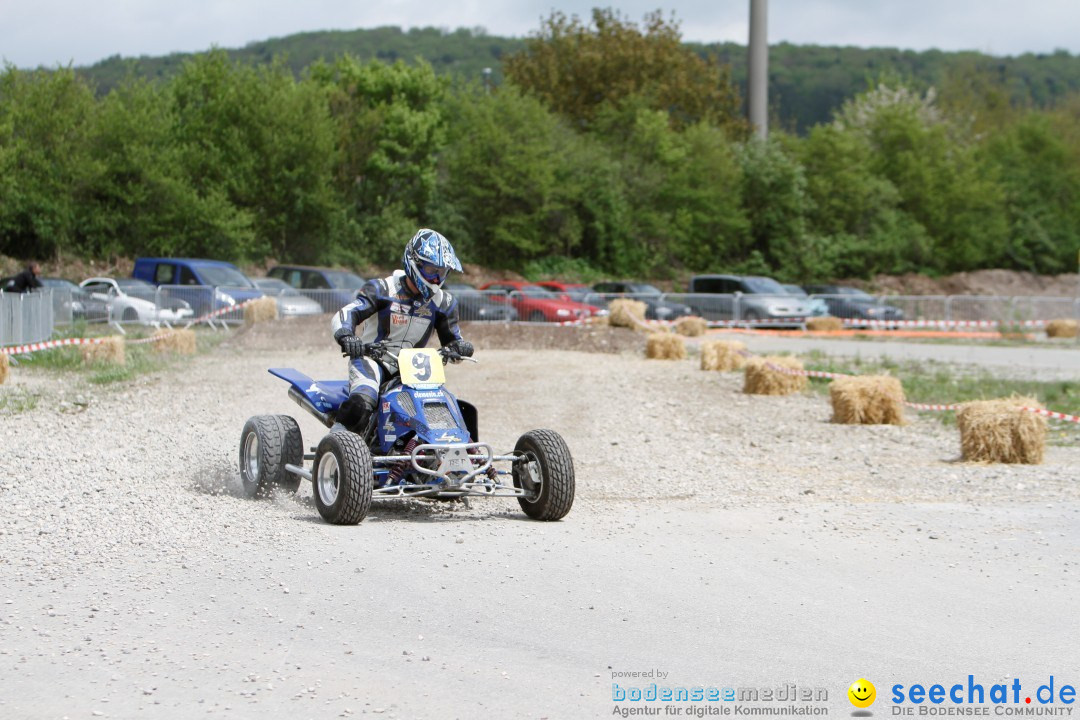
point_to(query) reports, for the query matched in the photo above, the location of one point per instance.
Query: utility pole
(758, 68)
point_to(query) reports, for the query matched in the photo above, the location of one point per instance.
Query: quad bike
(420, 442)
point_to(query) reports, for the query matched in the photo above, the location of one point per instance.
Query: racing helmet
(428, 259)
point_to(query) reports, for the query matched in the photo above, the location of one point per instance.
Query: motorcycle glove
(464, 348)
(351, 346)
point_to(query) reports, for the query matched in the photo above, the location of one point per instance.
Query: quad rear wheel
(342, 478)
(545, 471)
(267, 443)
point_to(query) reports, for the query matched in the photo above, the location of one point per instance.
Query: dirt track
(723, 538)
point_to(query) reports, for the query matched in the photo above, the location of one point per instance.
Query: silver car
(290, 303)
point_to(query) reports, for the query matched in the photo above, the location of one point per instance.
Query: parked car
(655, 307)
(71, 302)
(134, 300)
(818, 307)
(290, 303)
(576, 292)
(852, 303)
(204, 284)
(332, 289)
(538, 304)
(754, 298)
(475, 305)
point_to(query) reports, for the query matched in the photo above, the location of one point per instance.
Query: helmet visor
(433, 273)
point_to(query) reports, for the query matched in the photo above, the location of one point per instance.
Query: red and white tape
(943, 323)
(48, 345)
(221, 311)
(1055, 415)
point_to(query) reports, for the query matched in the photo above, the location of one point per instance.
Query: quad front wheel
(545, 471)
(342, 479)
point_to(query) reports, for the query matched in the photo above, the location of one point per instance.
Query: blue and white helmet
(428, 259)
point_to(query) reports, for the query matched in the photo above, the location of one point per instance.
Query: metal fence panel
(25, 317)
(1037, 308)
(916, 307)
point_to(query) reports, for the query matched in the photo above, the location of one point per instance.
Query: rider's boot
(356, 412)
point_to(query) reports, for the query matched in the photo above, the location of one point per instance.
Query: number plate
(421, 368)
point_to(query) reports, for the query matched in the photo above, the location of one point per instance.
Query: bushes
(343, 164)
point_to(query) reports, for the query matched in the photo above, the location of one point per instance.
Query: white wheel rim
(533, 474)
(251, 456)
(329, 479)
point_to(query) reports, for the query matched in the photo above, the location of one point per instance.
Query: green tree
(1042, 189)
(682, 190)
(853, 211)
(44, 121)
(508, 175)
(389, 131)
(936, 167)
(577, 68)
(260, 141)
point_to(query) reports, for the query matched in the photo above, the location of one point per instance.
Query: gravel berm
(723, 539)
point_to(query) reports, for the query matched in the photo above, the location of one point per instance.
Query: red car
(538, 304)
(577, 292)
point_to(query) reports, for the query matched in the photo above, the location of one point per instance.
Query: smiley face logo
(862, 693)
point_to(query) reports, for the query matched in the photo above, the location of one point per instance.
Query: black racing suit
(391, 314)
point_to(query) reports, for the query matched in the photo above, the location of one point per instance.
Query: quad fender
(471, 418)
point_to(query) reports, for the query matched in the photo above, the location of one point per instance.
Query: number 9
(422, 364)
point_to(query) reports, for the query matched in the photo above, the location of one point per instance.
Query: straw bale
(761, 379)
(1062, 328)
(5, 364)
(665, 346)
(624, 312)
(263, 309)
(109, 351)
(181, 342)
(1000, 431)
(867, 400)
(826, 323)
(722, 355)
(691, 326)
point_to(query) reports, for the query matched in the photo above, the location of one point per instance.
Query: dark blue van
(205, 284)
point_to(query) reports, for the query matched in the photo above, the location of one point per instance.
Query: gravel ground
(136, 581)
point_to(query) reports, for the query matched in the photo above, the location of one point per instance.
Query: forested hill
(808, 82)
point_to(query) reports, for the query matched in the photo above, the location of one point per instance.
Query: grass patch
(940, 383)
(141, 359)
(17, 400)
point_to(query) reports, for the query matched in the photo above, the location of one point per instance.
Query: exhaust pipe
(302, 400)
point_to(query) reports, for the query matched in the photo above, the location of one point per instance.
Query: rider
(406, 307)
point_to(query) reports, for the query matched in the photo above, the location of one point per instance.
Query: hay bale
(826, 323)
(691, 326)
(867, 400)
(5, 364)
(1000, 431)
(722, 355)
(1062, 328)
(181, 342)
(624, 312)
(665, 346)
(109, 351)
(762, 379)
(262, 310)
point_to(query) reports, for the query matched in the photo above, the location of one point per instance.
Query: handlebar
(377, 350)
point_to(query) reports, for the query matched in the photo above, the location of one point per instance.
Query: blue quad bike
(421, 442)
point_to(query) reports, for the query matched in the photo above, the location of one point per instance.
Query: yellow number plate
(421, 367)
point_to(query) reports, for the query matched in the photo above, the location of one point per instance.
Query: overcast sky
(51, 32)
